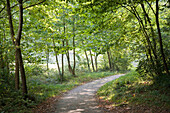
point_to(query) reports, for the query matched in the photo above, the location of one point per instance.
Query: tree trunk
(16, 42)
(2, 62)
(147, 37)
(21, 65)
(16, 70)
(144, 30)
(6, 62)
(47, 57)
(110, 64)
(68, 59)
(96, 61)
(113, 65)
(58, 66)
(12, 38)
(22, 71)
(62, 58)
(160, 37)
(150, 24)
(92, 61)
(87, 60)
(74, 49)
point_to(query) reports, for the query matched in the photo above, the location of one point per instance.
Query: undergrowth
(42, 85)
(132, 89)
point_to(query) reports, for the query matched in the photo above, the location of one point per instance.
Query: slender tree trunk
(160, 37)
(87, 60)
(58, 66)
(92, 61)
(16, 70)
(96, 61)
(74, 49)
(13, 38)
(22, 71)
(21, 65)
(6, 62)
(110, 64)
(147, 48)
(68, 59)
(150, 24)
(111, 60)
(144, 30)
(2, 64)
(62, 58)
(2, 61)
(16, 42)
(47, 57)
(146, 36)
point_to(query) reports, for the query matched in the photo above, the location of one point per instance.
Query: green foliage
(99, 26)
(133, 89)
(42, 85)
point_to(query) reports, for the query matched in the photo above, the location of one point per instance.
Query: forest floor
(80, 99)
(135, 94)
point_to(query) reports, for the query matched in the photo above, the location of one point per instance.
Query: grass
(134, 90)
(43, 85)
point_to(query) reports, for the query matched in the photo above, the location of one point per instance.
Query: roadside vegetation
(42, 85)
(135, 92)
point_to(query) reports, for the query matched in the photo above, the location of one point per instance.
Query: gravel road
(81, 99)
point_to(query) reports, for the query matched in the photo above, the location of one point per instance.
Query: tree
(16, 41)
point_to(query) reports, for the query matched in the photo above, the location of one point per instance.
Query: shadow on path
(81, 99)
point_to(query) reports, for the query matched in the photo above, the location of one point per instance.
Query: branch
(30, 6)
(128, 9)
(10, 21)
(2, 9)
(34, 4)
(10, 8)
(151, 7)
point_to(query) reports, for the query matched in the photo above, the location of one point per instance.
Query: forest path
(81, 99)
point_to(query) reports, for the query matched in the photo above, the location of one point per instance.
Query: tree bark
(16, 70)
(16, 42)
(134, 11)
(74, 49)
(160, 37)
(63, 45)
(150, 24)
(13, 38)
(21, 65)
(68, 59)
(110, 64)
(96, 61)
(6, 62)
(62, 58)
(58, 66)
(87, 60)
(47, 57)
(92, 61)
(22, 71)
(2, 61)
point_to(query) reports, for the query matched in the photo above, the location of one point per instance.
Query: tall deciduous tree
(16, 41)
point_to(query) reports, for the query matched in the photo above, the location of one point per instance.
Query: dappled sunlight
(76, 111)
(81, 99)
(70, 97)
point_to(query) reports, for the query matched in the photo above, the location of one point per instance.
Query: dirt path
(81, 99)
